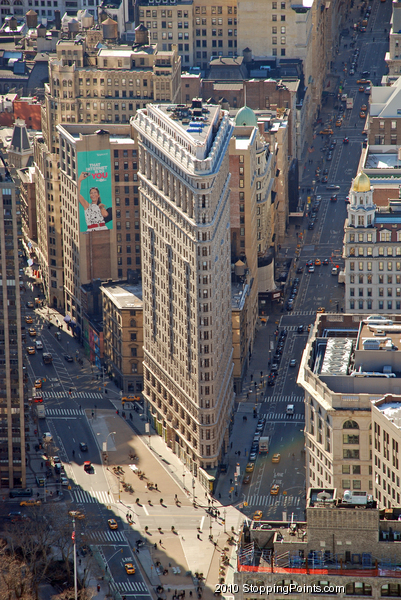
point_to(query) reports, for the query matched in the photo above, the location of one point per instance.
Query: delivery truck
(41, 411)
(264, 445)
(350, 103)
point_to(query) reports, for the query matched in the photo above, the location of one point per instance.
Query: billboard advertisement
(95, 191)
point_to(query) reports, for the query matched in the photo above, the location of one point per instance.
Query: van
(334, 271)
(38, 345)
(290, 409)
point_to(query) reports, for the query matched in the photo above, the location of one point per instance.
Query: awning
(67, 318)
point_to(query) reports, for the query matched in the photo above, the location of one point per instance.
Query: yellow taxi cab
(30, 502)
(38, 384)
(276, 458)
(76, 514)
(112, 523)
(250, 467)
(321, 309)
(28, 319)
(339, 122)
(361, 88)
(326, 132)
(257, 515)
(363, 81)
(364, 107)
(32, 332)
(129, 568)
(362, 114)
(31, 350)
(309, 327)
(274, 489)
(318, 262)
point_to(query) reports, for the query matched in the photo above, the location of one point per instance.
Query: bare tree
(15, 577)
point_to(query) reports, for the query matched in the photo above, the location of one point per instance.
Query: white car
(64, 481)
(47, 437)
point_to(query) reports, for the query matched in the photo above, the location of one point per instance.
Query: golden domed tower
(361, 210)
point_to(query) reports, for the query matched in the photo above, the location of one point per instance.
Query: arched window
(326, 587)
(350, 425)
(391, 589)
(358, 588)
(285, 583)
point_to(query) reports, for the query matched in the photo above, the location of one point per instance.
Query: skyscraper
(185, 237)
(12, 429)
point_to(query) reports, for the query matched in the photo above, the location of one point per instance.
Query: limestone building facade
(371, 251)
(185, 230)
(12, 419)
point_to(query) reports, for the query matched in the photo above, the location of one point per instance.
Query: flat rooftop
(239, 293)
(197, 123)
(390, 406)
(382, 161)
(124, 295)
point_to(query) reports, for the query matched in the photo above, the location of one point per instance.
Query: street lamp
(75, 558)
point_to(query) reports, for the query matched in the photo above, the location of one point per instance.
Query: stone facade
(123, 334)
(185, 216)
(12, 444)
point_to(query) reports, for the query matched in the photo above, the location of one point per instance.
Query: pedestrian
(41, 465)
(156, 487)
(80, 407)
(239, 452)
(79, 561)
(198, 536)
(231, 481)
(155, 546)
(231, 447)
(219, 495)
(98, 587)
(160, 542)
(130, 416)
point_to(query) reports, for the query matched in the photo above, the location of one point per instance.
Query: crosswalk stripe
(269, 500)
(63, 412)
(107, 536)
(129, 586)
(86, 497)
(287, 399)
(65, 395)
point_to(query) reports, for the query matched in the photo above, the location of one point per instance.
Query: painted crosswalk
(107, 536)
(300, 313)
(64, 412)
(92, 497)
(64, 395)
(267, 500)
(284, 418)
(286, 399)
(129, 586)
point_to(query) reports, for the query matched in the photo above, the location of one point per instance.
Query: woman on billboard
(96, 214)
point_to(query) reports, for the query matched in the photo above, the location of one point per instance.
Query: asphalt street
(315, 290)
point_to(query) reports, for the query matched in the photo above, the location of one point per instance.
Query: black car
(68, 358)
(300, 269)
(311, 225)
(300, 328)
(283, 333)
(83, 447)
(365, 74)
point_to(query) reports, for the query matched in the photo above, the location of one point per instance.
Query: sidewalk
(182, 553)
